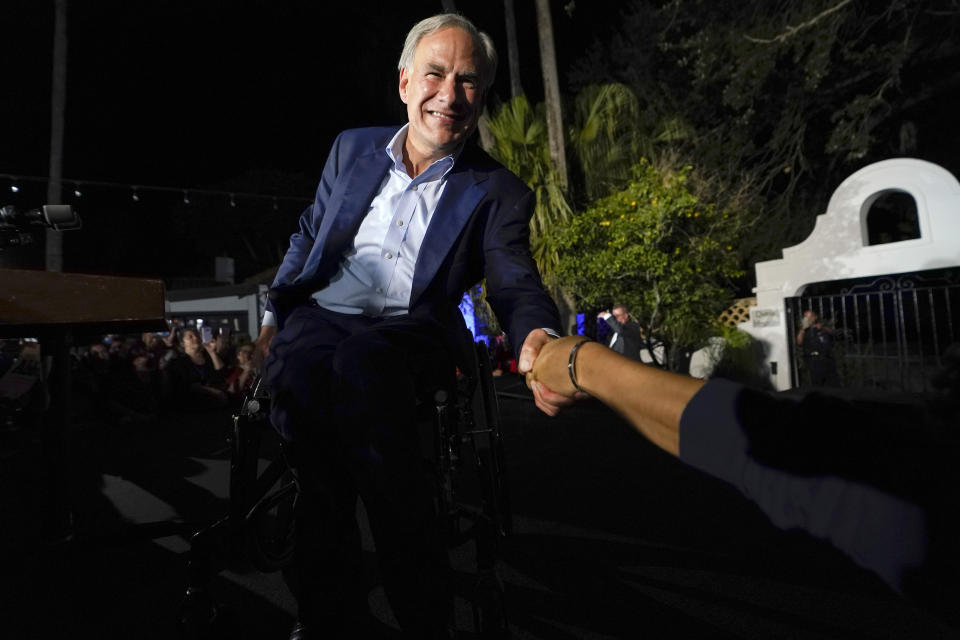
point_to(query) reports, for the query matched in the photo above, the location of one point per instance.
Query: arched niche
(890, 216)
(839, 246)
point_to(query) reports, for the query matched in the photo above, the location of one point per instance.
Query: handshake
(650, 399)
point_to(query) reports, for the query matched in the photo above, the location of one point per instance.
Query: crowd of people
(139, 377)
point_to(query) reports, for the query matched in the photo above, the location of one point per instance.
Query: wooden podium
(42, 303)
(55, 307)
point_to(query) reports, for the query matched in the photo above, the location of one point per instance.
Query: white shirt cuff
(269, 320)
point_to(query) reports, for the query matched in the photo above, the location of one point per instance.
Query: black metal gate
(889, 333)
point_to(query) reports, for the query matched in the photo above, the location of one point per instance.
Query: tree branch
(800, 27)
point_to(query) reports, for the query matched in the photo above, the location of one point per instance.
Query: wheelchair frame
(259, 525)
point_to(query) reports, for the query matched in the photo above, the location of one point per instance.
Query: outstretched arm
(652, 400)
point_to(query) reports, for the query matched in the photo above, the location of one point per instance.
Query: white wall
(837, 248)
(221, 304)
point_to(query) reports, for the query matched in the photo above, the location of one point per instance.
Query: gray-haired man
(404, 221)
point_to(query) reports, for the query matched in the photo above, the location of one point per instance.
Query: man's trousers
(344, 391)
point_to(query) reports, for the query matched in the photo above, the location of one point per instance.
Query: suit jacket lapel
(347, 210)
(460, 198)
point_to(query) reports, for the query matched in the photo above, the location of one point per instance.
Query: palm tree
(606, 137)
(608, 133)
(551, 90)
(521, 144)
(513, 53)
(54, 244)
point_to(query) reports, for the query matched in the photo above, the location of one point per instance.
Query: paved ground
(614, 539)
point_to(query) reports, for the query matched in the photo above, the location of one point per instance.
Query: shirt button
(399, 223)
(379, 290)
(389, 256)
(414, 187)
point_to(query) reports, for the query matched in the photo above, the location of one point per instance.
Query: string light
(80, 186)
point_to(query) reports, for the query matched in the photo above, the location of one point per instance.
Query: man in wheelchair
(363, 319)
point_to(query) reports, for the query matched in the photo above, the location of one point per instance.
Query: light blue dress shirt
(376, 274)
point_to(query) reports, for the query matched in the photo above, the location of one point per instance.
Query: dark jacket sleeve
(880, 531)
(514, 288)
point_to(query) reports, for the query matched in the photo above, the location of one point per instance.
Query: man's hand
(551, 370)
(262, 345)
(547, 401)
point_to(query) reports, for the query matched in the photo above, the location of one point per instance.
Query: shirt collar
(440, 168)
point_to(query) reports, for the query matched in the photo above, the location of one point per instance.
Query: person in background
(224, 345)
(502, 356)
(816, 341)
(242, 374)
(197, 377)
(626, 332)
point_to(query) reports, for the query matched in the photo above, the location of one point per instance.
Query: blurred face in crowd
(620, 313)
(191, 341)
(442, 92)
(141, 363)
(244, 354)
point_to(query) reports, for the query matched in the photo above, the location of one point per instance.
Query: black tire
(263, 499)
(489, 609)
(270, 531)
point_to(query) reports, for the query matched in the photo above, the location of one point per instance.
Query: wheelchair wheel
(262, 495)
(270, 532)
(488, 446)
(489, 609)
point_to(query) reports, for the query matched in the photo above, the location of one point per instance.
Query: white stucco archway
(837, 247)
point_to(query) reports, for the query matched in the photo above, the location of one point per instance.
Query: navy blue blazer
(479, 230)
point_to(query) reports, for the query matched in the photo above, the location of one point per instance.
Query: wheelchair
(258, 528)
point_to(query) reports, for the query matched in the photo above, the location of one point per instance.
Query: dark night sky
(233, 96)
(193, 93)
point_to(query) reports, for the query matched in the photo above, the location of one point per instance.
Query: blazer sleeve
(879, 530)
(514, 288)
(302, 241)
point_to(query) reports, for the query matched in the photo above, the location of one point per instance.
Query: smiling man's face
(443, 95)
